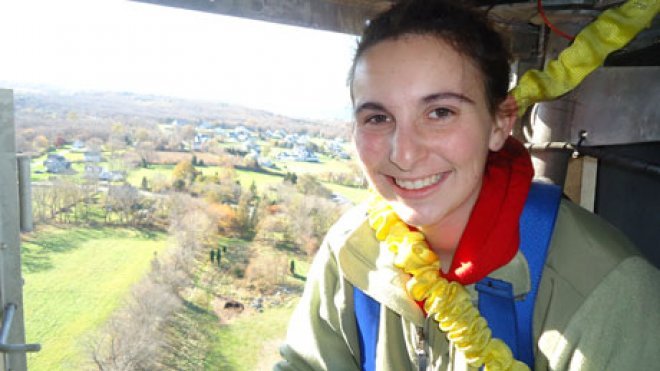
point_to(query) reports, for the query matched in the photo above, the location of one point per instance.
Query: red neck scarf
(491, 237)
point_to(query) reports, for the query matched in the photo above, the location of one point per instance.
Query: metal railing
(8, 317)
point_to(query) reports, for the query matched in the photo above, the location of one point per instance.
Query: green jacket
(598, 306)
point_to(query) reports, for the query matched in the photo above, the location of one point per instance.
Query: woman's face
(423, 129)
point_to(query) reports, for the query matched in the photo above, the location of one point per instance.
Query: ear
(505, 118)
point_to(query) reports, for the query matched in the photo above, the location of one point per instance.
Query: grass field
(251, 342)
(74, 280)
(135, 176)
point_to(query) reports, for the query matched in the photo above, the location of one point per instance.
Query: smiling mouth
(418, 183)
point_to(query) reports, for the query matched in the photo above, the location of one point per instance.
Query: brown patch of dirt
(227, 311)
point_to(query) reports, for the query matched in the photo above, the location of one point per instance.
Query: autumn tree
(301, 220)
(308, 184)
(40, 143)
(223, 187)
(225, 216)
(184, 171)
(247, 216)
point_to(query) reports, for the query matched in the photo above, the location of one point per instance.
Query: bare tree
(297, 220)
(132, 339)
(124, 200)
(146, 151)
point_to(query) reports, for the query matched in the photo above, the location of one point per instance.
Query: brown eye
(376, 119)
(441, 113)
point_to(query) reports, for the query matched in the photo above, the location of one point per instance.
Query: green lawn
(135, 176)
(327, 164)
(356, 195)
(74, 280)
(261, 332)
(261, 180)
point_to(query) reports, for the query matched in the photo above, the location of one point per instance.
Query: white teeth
(417, 184)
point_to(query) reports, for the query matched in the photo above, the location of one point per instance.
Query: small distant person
(292, 267)
(397, 283)
(218, 256)
(212, 255)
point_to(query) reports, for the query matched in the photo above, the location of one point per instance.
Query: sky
(120, 45)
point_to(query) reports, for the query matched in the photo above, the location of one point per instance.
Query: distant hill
(38, 106)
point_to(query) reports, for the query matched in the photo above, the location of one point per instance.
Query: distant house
(252, 146)
(343, 155)
(303, 154)
(93, 171)
(56, 163)
(78, 145)
(112, 176)
(204, 125)
(180, 122)
(264, 162)
(101, 173)
(199, 140)
(93, 156)
(336, 147)
(290, 140)
(303, 140)
(285, 156)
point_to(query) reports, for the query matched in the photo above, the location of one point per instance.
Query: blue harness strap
(367, 317)
(509, 319)
(497, 306)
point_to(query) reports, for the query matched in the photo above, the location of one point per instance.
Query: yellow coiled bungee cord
(612, 30)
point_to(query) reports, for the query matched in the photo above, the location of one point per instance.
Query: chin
(409, 215)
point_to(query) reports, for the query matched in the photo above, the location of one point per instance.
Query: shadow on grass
(194, 308)
(288, 246)
(36, 249)
(193, 333)
(149, 233)
(33, 261)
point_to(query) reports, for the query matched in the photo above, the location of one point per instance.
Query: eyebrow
(369, 106)
(426, 99)
(447, 95)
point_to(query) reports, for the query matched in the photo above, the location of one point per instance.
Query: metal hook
(583, 136)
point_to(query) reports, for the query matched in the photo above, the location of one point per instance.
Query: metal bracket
(8, 317)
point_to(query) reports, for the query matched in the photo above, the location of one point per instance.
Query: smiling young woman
(397, 281)
(423, 131)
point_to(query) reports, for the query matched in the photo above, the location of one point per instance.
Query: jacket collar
(368, 265)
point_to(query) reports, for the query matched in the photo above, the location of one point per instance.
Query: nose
(406, 147)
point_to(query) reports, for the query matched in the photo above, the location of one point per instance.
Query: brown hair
(466, 29)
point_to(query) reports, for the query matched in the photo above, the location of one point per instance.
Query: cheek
(370, 148)
(468, 150)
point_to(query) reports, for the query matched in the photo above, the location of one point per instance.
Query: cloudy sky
(127, 46)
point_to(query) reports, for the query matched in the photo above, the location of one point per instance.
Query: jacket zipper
(422, 355)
